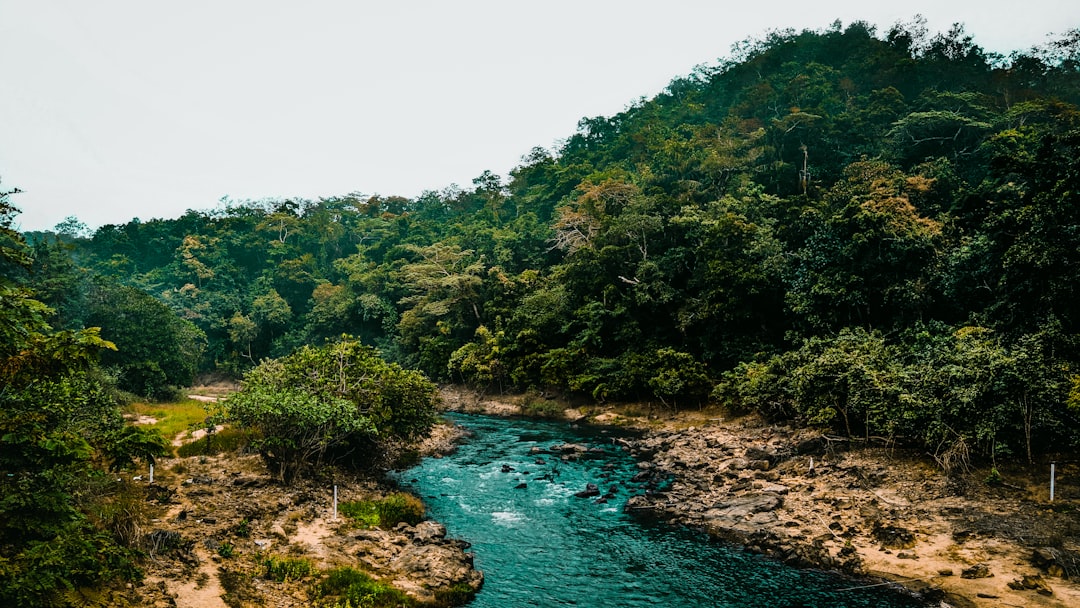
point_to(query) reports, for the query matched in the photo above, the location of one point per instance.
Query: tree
(869, 255)
(310, 406)
(54, 412)
(444, 282)
(156, 349)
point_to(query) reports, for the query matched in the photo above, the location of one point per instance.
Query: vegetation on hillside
(872, 231)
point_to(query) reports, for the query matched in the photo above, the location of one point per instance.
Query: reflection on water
(540, 545)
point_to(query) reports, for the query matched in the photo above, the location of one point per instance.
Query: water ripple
(539, 545)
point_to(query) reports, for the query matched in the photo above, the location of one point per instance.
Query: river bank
(218, 532)
(869, 511)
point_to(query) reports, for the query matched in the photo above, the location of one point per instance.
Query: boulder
(1032, 583)
(814, 446)
(756, 453)
(976, 571)
(737, 464)
(760, 465)
(893, 537)
(427, 532)
(423, 571)
(591, 489)
(741, 507)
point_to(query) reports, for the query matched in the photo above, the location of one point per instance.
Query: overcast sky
(111, 110)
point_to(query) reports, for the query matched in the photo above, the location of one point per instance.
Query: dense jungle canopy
(872, 231)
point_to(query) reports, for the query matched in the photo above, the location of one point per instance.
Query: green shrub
(226, 550)
(541, 408)
(456, 595)
(400, 507)
(281, 569)
(385, 513)
(363, 512)
(306, 407)
(352, 588)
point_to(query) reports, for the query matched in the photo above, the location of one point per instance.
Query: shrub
(281, 569)
(398, 508)
(541, 408)
(455, 595)
(303, 407)
(350, 587)
(385, 513)
(363, 512)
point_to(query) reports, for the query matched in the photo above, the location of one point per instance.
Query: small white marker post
(151, 472)
(335, 503)
(1052, 481)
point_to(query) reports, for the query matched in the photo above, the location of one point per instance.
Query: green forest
(877, 233)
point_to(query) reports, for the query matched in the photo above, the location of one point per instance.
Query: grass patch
(281, 569)
(172, 418)
(385, 513)
(226, 440)
(348, 587)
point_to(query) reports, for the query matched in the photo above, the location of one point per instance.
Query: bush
(281, 569)
(385, 513)
(456, 595)
(400, 507)
(541, 408)
(303, 407)
(353, 588)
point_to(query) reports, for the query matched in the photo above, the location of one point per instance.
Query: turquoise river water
(539, 545)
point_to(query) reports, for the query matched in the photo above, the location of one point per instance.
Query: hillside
(888, 218)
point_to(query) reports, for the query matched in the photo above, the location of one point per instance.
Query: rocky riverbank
(221, 519)
(812, 501)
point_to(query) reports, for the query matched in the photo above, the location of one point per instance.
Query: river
(540, 545)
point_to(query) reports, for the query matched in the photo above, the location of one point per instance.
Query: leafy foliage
(309, 405)
(56, 410)
(386, 512)
(156, 350)
(280, 569)
(818, 226)
(350, 587)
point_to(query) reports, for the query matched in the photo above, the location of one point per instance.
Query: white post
(1052, 481)
(335, 503)
(151, 472)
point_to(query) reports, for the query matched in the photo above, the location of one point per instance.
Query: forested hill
(876, 231)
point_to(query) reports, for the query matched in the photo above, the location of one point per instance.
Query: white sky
(115, 109)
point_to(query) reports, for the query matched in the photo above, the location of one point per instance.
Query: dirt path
(203, 590)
